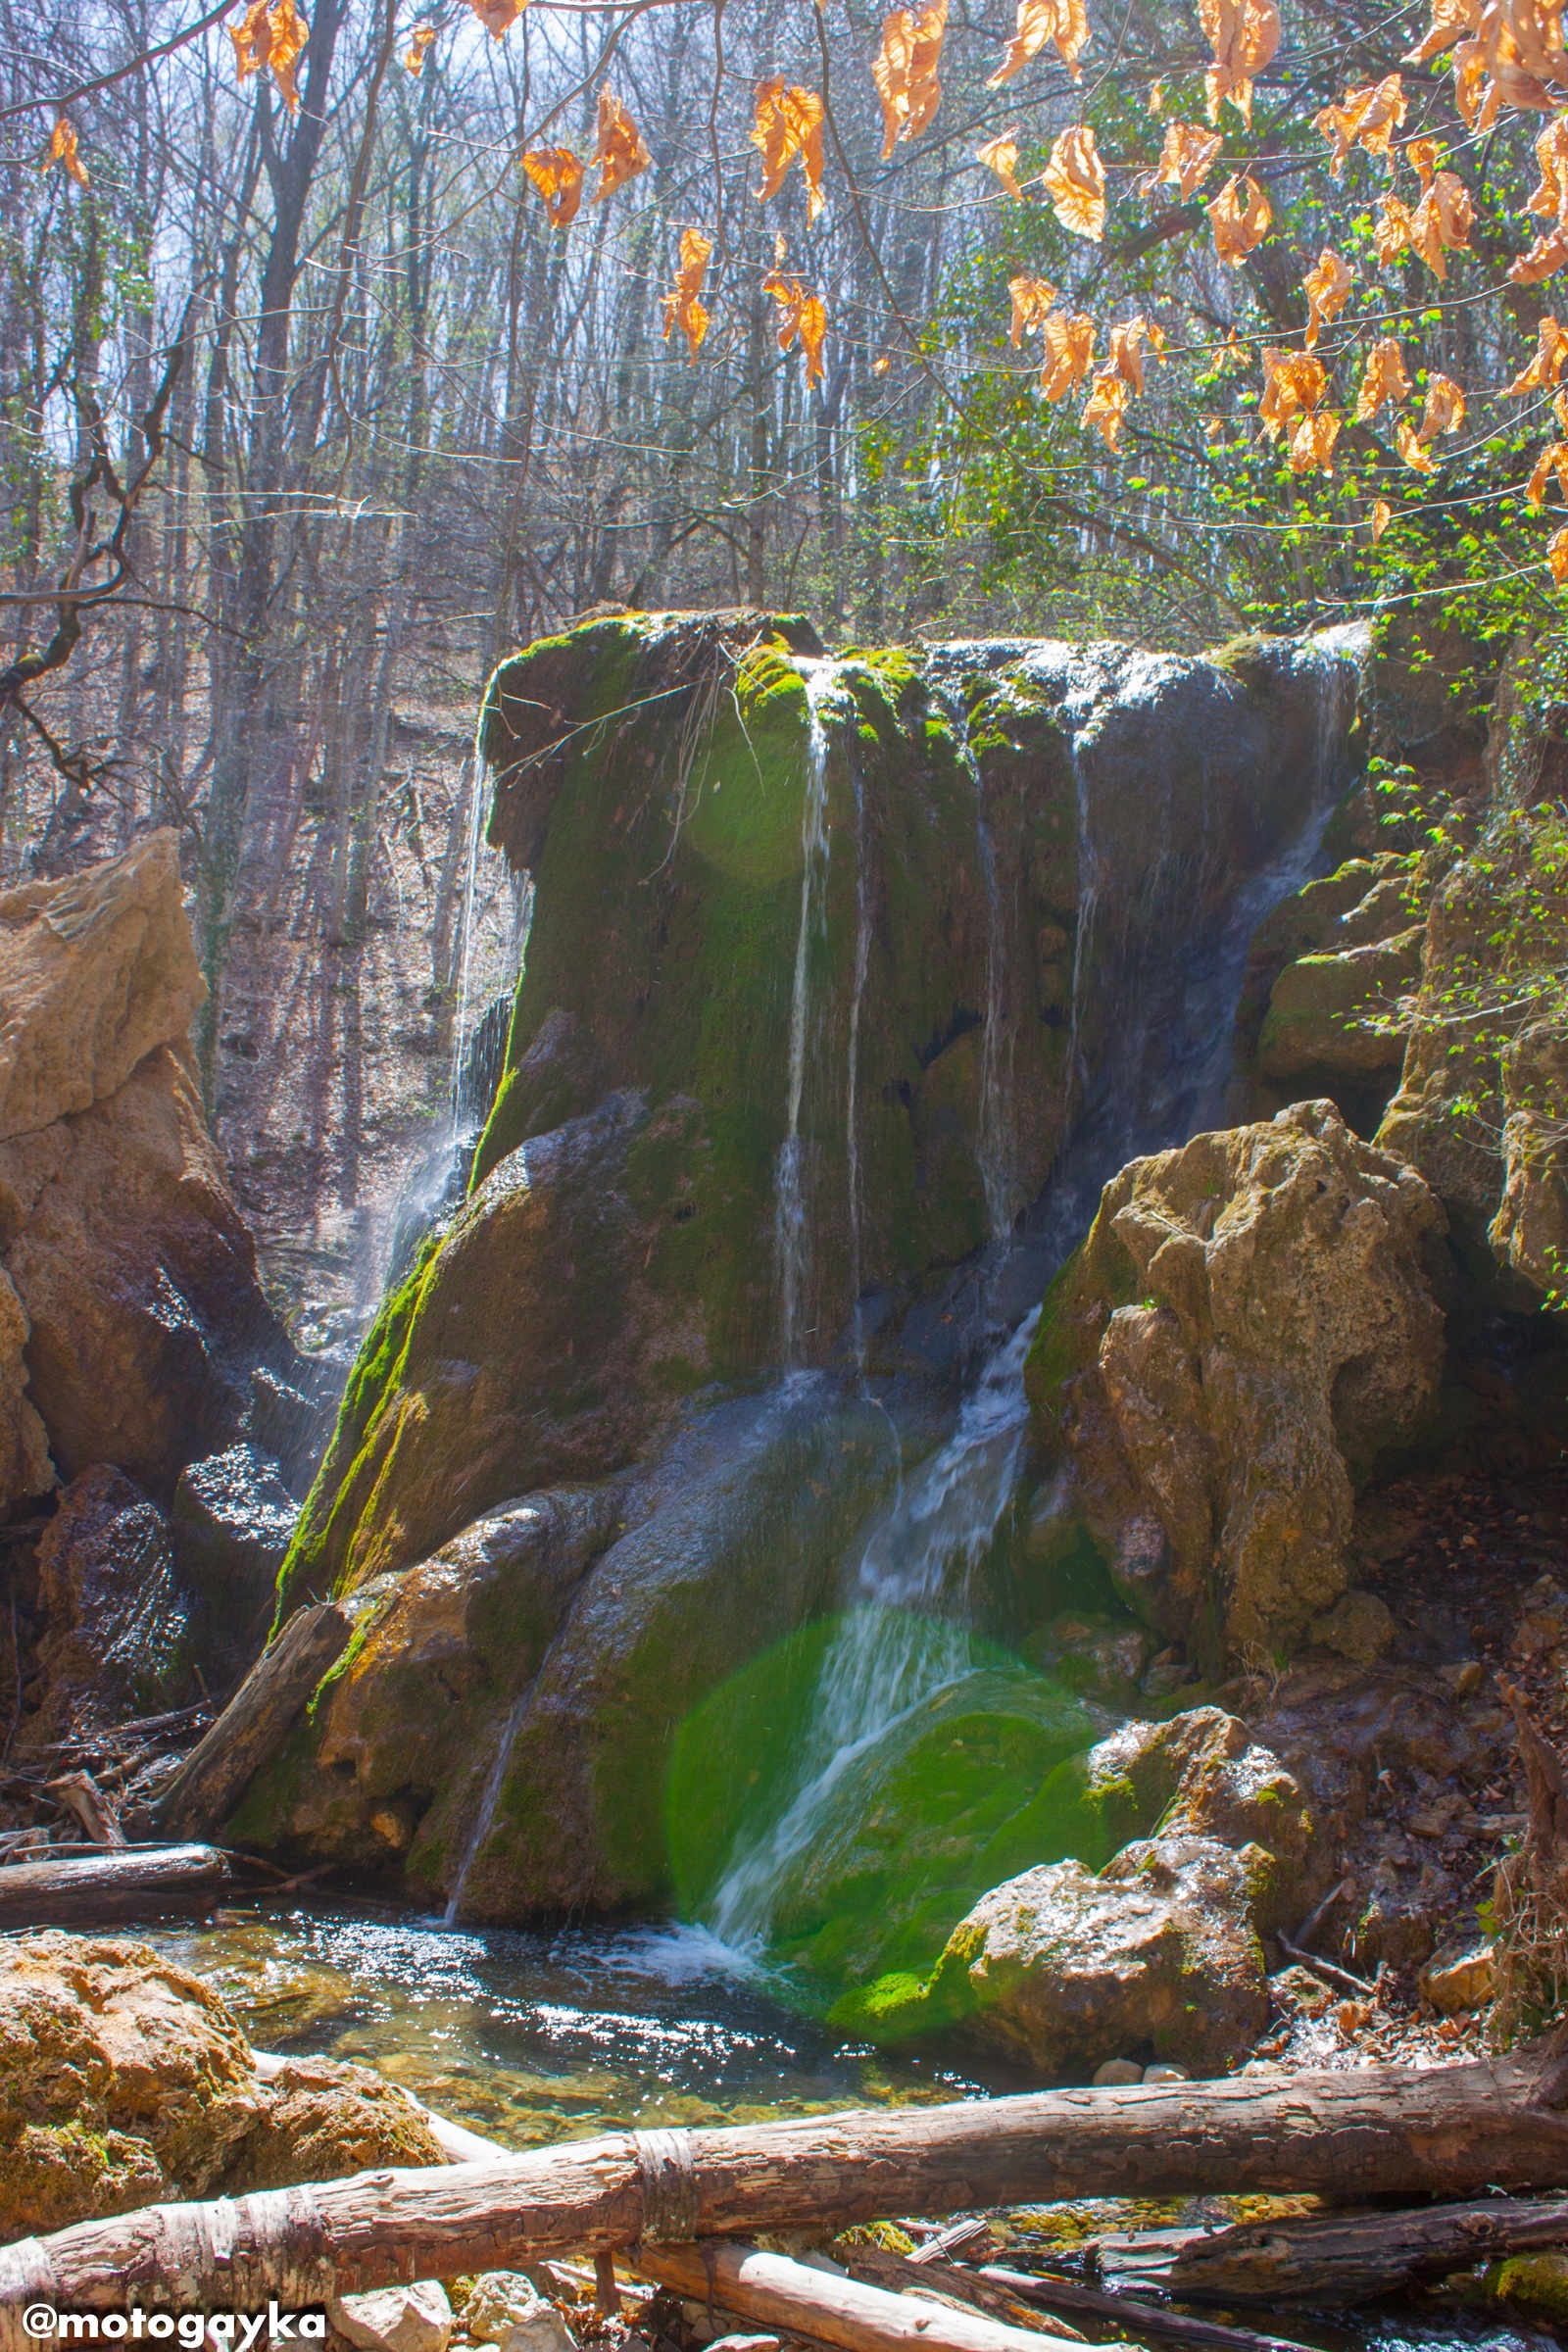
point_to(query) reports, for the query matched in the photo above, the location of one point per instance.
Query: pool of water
(533, 2035)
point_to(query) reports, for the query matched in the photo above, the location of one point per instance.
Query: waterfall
(851, 1133)
(489, 1799)
(464, 953)
(996, 1154)
(901, 1635)
(791, 1224)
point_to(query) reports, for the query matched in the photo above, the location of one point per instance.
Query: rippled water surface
(533, 2037)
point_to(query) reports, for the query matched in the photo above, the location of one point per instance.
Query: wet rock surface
(125, 2080)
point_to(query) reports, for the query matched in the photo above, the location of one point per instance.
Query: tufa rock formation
(1251, 1322)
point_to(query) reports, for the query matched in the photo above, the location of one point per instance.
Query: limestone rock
(1339, 1016)
(1251, 1319)
(123, 2080)
(497, 2301)
(395, 2318)
(229, 1524)
(1062, 1970)
(1459, 1977)
(95, 971)
(1530, 1229)
(1359, 1626)
(542, 2328)
(118, 1637)
(25, 1464)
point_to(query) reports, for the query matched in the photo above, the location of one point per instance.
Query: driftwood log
(213, 1776)
(96, 1889)
(1336, 2258)
(1447, 2130)
(1124, 2311)
(800, 2299)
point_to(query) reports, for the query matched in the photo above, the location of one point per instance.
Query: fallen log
(1125, 2311)
(213, 1776)
(110, 1883)
(1376, 2130)
(1340, 2258)
(902, 2274)
(799, 2299)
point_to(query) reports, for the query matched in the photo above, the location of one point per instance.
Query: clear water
(538, 2036)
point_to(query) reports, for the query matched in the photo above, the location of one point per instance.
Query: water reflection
(536, 2036)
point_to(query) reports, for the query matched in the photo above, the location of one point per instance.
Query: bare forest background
(392, 422)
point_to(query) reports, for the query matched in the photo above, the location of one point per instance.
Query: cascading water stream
(792, 1223)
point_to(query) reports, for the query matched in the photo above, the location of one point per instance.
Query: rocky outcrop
(119, 1638)
(1250, 1321)
(128, 1264)
(125, 2080)
(826, 960)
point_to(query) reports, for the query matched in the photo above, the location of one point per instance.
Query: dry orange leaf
(1156, 97)
(1000, 156)
(1064, 22)
(905, 71)
(1381, 517)
(1546, 368)
(413, 55)
(1232, 354)
(1507, 53)
(1451, 19)
(786, 124)
(1385, 383)
(1413, 450)
(1442, 218)
(1244, 35)
(1554, 460)
(1069, 347)
(498, 15)
(1551, 198)
(1032, 298)
(1126, 348)
(1075, 180)
(1186, 157)
(682, 307)
(1292, 383)
(1326, 289)
(1544, 259)
(620, 153)
(61, 154)
(1365, 117)
(1558, 555)
(1391, 232)
(269, 39)
(800, 314)
(1242, 219)
(1444, 409)
(1312, 439)
(1106, 405)
(558, 175)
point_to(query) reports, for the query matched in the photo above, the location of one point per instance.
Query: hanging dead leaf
(1544, 259)
(1069, 348)
(787, 122)
(1075, 180)
(1450, 21)
(905, 71)
(1293, 382)
(800, 314)
(1442, 221)
(1444, 409)
(683, 307)
(1244, 35)
(1413, 450)
(1385, 383)
(1328, 289)
(1000, 156)
(1156, 97)
(1546, 368)
(498, 15)
(1559, 409)
(1032, 298)
(620, 153)
(1365, 117)
(1064, 22)
(1242, 218)
(420, 41)
(1187, 158)
(558, 175)
(1311, 443)
(1213, 428)
(1106, 405)
(60, 154)
(270, 39)
(1550, 199)
(1232, 354)
(1554, 460)
(1391, 232)
(1127, 347)
(1422, 156)
(1381, 517)
(1558, 555)
(1505, 55)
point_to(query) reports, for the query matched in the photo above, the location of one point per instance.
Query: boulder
(125, 2080)
(116, 1618)
(1251, 1319)
(395, 2318)
(1343, 1017)
(1059, 1971)
(1460, 1977)
(230, 1523)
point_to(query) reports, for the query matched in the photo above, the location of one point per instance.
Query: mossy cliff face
(828, 963)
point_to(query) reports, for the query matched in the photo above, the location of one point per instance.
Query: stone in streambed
(231, 1524)
(395, 2318)
(117, 1617)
